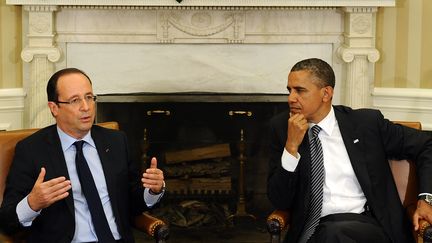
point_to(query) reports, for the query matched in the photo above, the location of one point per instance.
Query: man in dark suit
(46, 191)
(358, 200)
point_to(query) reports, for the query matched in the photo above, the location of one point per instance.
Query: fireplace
(225, 46)
(200, 141)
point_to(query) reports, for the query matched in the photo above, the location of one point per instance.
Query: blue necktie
(94, 203)
(317, 183)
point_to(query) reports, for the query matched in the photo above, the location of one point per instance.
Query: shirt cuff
(151, 199)
(424, 193)
(26, 215)
(289, 161)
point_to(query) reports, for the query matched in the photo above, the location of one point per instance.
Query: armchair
(405, 179)
(156, 228)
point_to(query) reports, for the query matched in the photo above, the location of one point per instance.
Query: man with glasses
(74, 181)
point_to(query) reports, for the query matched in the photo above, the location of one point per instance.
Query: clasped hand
(297, 128)
(423, 211)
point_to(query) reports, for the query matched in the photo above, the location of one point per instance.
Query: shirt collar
(328, 123)
(67, 141)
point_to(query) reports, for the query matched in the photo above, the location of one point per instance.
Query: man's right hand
(297, 128)
(46, 193)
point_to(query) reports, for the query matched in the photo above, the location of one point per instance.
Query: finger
(41, 176)
(60, 197)
(55, 181)
(150, 181)
(58, 188)
(153, 163)
(153, 174)
(61, 192)
(416, 221)
(154, 188)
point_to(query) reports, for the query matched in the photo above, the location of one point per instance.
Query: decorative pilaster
(41, 52)
(359, 54)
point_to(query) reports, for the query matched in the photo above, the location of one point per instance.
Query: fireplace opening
(213, 151)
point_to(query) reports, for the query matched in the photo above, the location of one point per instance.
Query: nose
(84, 105)
(292, 97)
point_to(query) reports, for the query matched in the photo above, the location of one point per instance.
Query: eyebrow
(297, 88)
(77, 96)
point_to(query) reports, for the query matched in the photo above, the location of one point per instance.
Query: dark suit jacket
(57, 222)
(379, 140)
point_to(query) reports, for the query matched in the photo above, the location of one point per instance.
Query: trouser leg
(347, 228)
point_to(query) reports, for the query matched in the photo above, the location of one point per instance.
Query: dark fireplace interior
(203, 143)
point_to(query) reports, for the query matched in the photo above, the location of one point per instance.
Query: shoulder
(357, 114)
(107, 133)
(31, 136)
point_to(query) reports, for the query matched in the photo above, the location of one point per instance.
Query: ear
(328, 93)
(53, 108)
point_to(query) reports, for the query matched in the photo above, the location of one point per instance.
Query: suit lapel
(355, 145)
(59, 162)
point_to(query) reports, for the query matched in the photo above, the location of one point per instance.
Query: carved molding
(348, 54)
(201, 24)
(40, 25)
(53, 53)
(362, 24)
(198, 7)
(207, 2)
(358, 9)
(41, 8)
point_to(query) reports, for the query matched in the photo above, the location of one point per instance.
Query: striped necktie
(317, 183)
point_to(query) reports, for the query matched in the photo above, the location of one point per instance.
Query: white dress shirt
(84, 229)
(342, 192)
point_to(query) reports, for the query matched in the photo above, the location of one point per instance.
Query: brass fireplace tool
(241, 203)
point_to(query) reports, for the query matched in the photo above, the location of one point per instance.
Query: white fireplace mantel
(226, 46)
(208, 3)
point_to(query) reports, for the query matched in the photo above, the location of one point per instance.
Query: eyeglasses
(77, 101)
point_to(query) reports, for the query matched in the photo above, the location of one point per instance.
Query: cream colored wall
(404, 38)
(10, 46)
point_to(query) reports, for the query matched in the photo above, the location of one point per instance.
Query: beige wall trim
(11, 109)
(405, 104)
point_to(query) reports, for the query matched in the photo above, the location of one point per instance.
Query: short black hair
(52, 91)
(317, 68)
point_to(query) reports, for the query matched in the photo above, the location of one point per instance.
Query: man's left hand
(153, 178)
(423, 211)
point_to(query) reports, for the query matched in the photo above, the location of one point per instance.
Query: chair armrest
(152, 226)
(425, 231)
(5, 238)
(277, 221)
(17, 236)
(279, 218)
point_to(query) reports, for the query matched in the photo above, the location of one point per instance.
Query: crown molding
(228, 3)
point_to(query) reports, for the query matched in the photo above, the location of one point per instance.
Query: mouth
(85, 119)
(295, 110)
